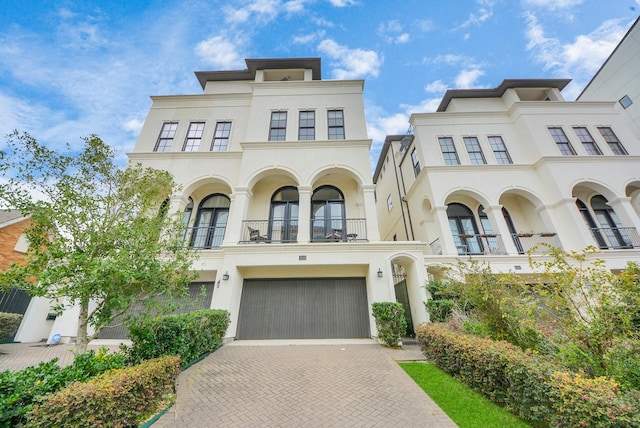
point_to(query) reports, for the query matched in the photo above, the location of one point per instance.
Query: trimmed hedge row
(189, 335)
(117, 398)
(9, 324)
(529, 385)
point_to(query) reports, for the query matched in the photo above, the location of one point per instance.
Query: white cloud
(553, 4)
(134, 126)
(482, 14)
(343, 3)
(219, 52)
(392, 32)
(468, 78)
(260, 10)
(436, 87)
(351, 63)
(309, 38)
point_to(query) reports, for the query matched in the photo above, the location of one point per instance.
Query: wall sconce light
(379, 273)
(225, 276)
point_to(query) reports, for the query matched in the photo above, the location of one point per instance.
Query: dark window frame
(166, 136)
(449, 152)
(562, 141)
(194, 137)
(500, 149)
(220, 142)
(278, 126)
(307, 125)
(612, 140)
(472, 144)
(335, 125)
(587, 140)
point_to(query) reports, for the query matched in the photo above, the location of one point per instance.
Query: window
(474, 150)
(587, 141)
(625, 101)
(283, 218)
(389, 203)
(221, 137)
(448, 151)
(278, 127)
(415, 162)
(612, 140)
(328, 215)
(499, 149)
(335, 119)
(562, 141)
(307, 125)
(194, 136)
(211, 222)
(166, 136)
(464, 229)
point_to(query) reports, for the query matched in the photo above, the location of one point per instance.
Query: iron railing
(330, 230)
(205, 238)
(539, 242)
(269, 231)
(616, 237)
(476, 244)
(338, 230)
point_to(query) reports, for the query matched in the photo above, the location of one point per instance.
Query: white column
(371, 216)
(447, 243)
(237, 213)
(494, 212)
(304, 214)
(625, 211)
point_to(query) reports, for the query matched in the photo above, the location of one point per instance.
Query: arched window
(283, 216)
(610, 224)
(464, 229)
(512, 230)
(328, 216)
(211, 222)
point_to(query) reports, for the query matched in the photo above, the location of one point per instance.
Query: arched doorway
(464, 229)
(211, 222)
(283, 215)
(328, 221)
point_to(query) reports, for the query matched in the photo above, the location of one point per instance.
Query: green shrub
(390, 322)
(528, 384)
(189, 335)
(19, 390)
(117, 398)
(9, 324)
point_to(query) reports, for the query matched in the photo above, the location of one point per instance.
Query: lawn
(466, 407)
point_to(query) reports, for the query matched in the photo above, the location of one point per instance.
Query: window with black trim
(558, 135)
(165, 139)
(220, 141)
(389, 203)
(415, 162)
(612, 140)
(278, 126)
(307, 125)
(449, 153)
(194, 136)
(499, 150)
(475, 152)
(587, 141)
(335, 121)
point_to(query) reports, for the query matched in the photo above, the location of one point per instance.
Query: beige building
(496, 172)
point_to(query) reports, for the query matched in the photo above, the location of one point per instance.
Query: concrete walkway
(349, 384)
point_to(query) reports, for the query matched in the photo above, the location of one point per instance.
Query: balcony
(526, 242)
(616, 237)
(205, 238)
(284, 231)
(479, 244)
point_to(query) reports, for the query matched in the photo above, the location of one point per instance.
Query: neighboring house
(495, 172)
(619, 79)
(13, 247)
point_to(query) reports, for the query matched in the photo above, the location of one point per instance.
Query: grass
(464, 406)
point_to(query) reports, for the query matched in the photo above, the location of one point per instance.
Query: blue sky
(72, 68)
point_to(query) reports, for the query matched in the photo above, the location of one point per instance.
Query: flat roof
(261, 64)
(499, 90)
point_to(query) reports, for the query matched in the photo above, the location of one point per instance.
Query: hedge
(390, 322)
(529, 385)
(118, 398)
(9, 324)
(189, 335)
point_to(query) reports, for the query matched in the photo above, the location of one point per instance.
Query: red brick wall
(9, 236)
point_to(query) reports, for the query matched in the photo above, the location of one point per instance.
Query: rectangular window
(499, 150)
(307, 125)
(585, 138)
(194, 136)
(415, 162)
(475, 152)
(278, 127)
(389, 203)
(167, 134)
(562, 141)
(612, 140)
(448, 151)
(221, 137)
(335, 120)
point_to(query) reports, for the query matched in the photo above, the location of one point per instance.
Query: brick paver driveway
(348, 385)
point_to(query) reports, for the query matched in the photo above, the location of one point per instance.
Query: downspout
(402, 199)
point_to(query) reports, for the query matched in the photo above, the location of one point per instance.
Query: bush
(528, 384)
(390, 322)
(9, 324)
(189, 335)
(119, 398)
(19, 390)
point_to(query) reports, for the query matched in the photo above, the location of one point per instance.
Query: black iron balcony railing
(527, 241)
(205, 238)
(616, 237)
(335, 230)
(476, 244)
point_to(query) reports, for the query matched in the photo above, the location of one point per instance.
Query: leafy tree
(100, 236)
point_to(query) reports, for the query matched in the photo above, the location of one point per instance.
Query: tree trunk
(81, 335)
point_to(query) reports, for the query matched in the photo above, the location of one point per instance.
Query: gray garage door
(304, 308)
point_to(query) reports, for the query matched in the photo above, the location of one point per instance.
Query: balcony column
(237, 213)
(494, 212)
(574, 233)
(447, 243)
(625, 212)
(304, 214)
(370, 213)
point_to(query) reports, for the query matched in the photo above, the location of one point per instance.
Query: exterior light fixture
(225, 276)
(379, 273)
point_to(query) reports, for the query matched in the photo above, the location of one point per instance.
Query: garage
(303, 308)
